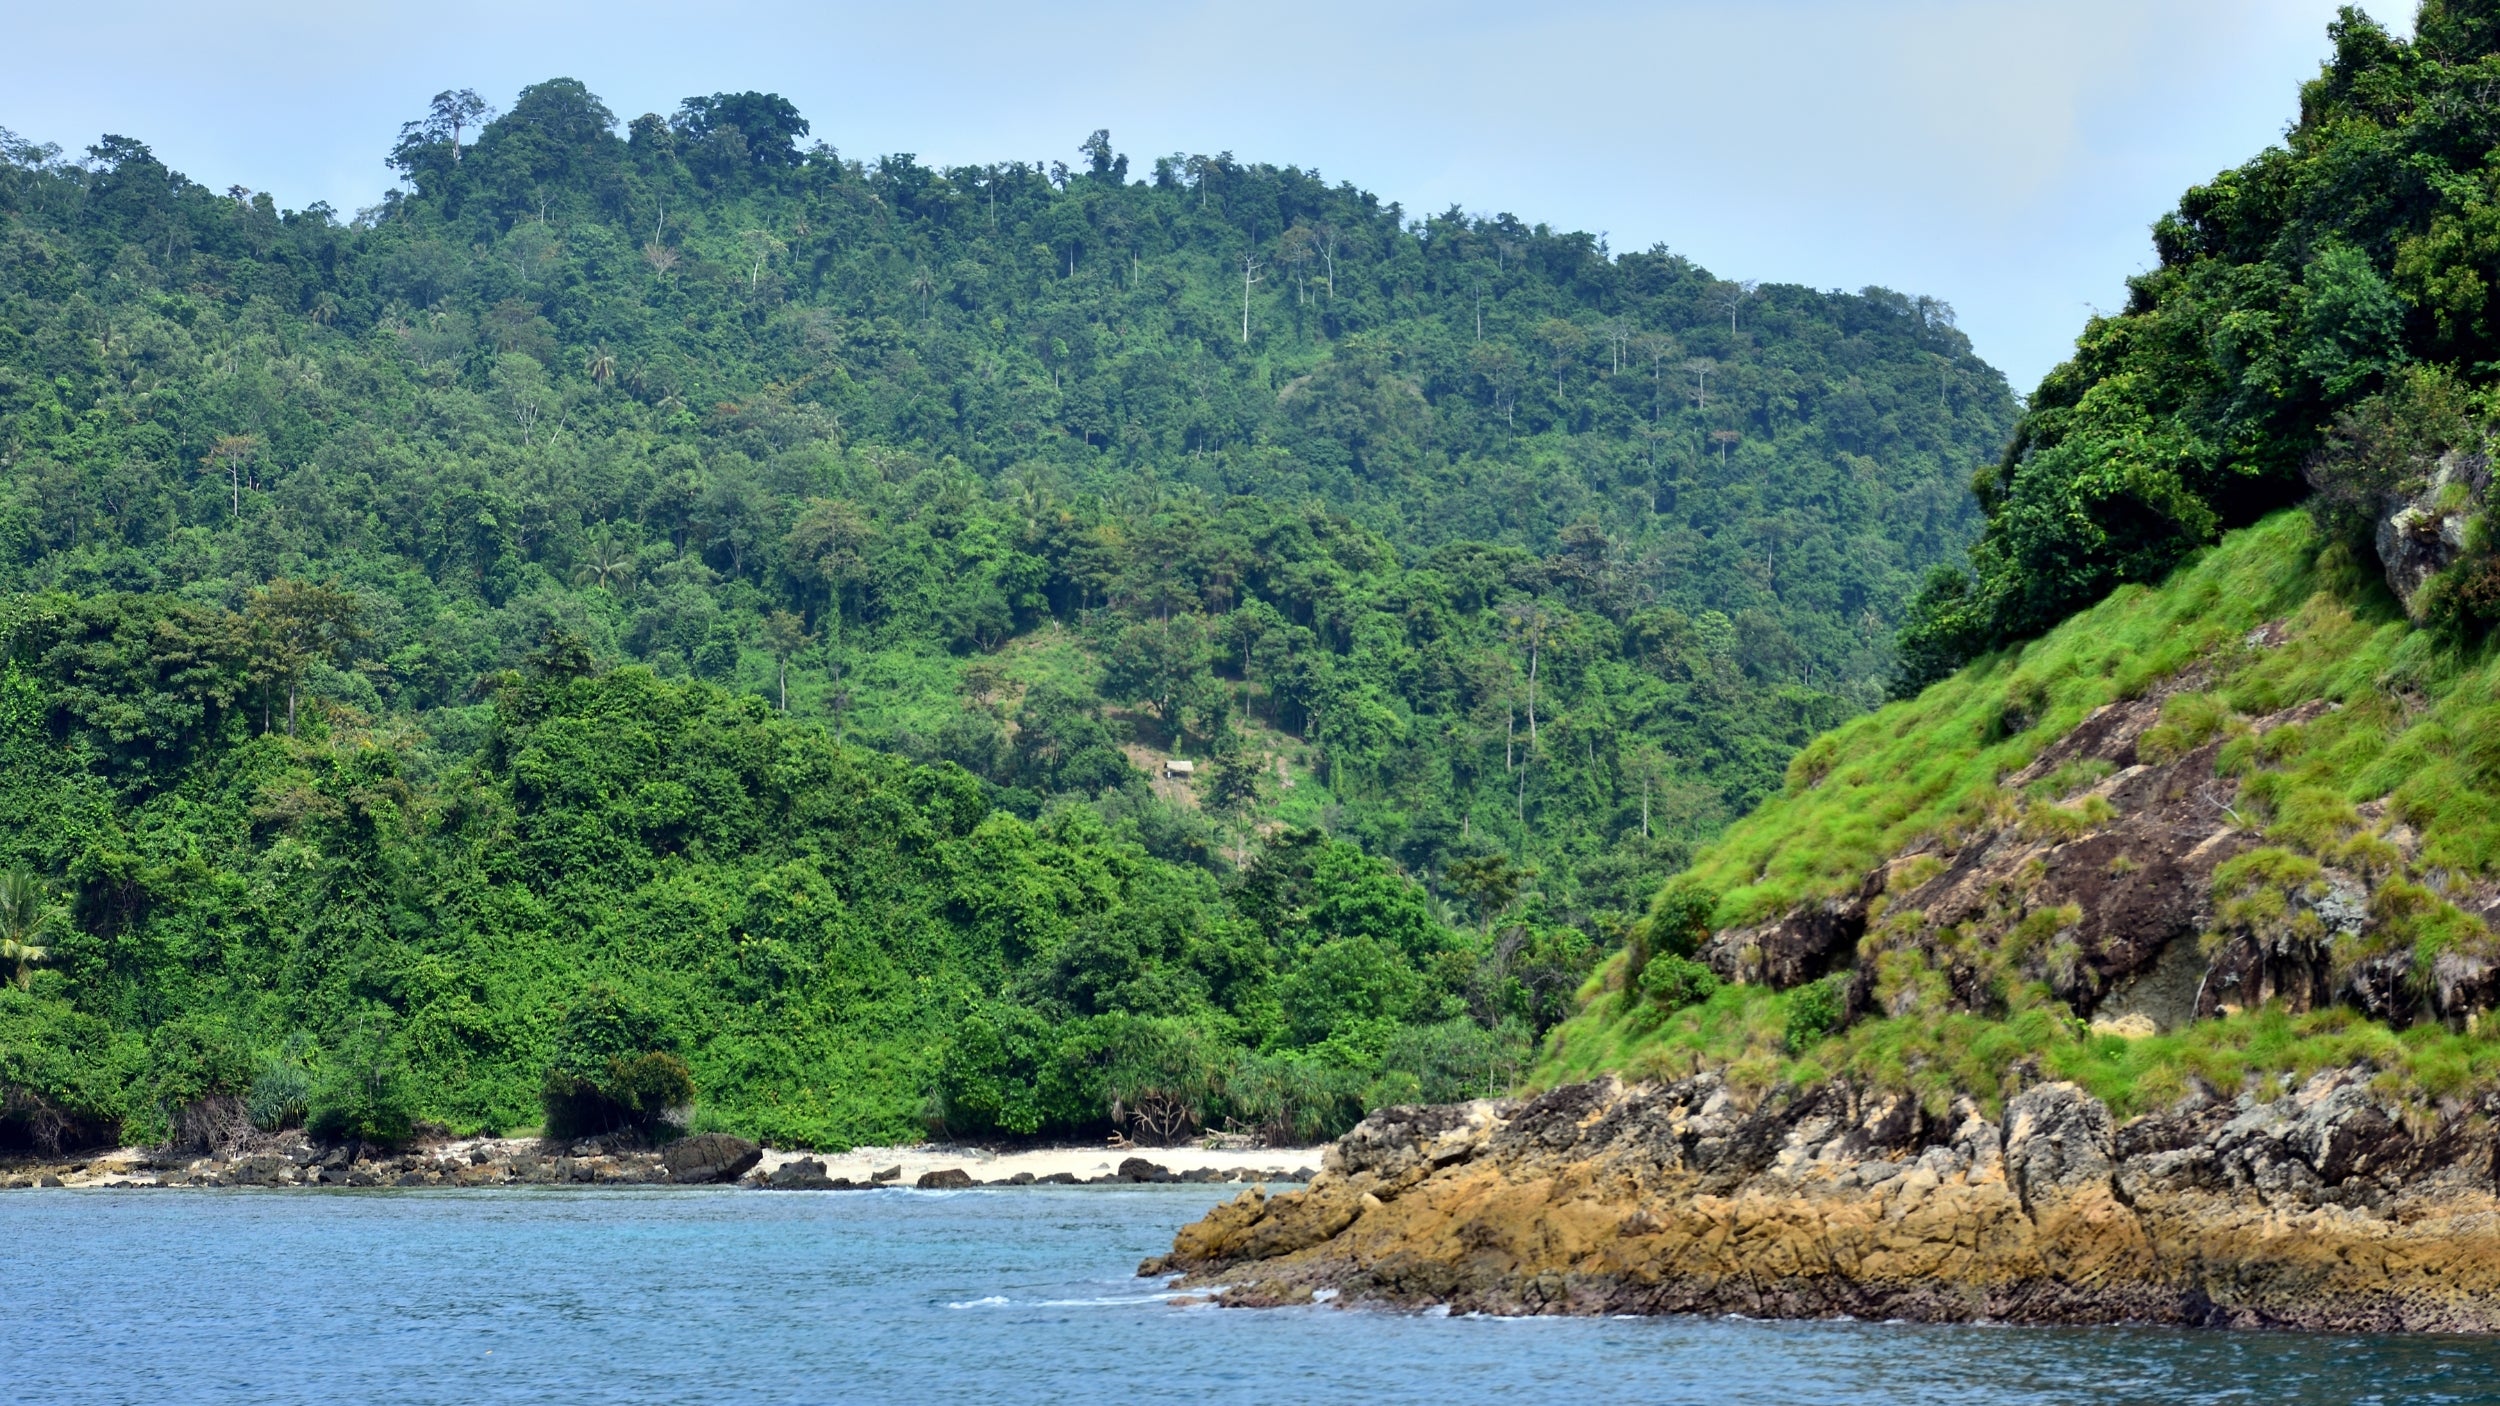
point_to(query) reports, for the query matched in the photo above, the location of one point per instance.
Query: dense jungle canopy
(671, 589)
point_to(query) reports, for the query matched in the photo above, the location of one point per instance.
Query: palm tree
(607, 560)
(21, 916)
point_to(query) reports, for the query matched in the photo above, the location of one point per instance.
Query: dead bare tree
(1249, 275)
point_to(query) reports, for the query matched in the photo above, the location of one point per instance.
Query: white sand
(1080, 1162)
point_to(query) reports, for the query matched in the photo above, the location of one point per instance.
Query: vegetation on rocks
(2170, 806)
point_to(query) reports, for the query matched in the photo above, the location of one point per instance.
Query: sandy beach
(983, 1164)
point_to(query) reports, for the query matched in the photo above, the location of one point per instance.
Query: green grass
(2414, 727)
(1739, 1032)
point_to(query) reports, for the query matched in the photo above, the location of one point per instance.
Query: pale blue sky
(2004, 155)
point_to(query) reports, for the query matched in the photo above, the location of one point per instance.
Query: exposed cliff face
(2322, 1208)
(2099, 876)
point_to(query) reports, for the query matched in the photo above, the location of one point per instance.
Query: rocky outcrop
(2421, 533)
(293, 1162)
(805, 1174)
(710, 1157)
(2320, 1206)
(2096, 872)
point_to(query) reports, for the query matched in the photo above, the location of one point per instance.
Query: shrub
(1289, 1099)
(281, 1095)
(989, 1078)
(1672, 982)
(1679, 922)
(2046, 820)
(1814, 1011)
(1450, 1062)
(1160, 1077)
(362, 1094)
(614, 1070)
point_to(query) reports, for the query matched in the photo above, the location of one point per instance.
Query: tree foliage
(2316, 286)
(394, 604)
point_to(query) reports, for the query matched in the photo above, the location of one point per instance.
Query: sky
(2006, 156)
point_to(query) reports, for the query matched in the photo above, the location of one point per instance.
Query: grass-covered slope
(2396, 782)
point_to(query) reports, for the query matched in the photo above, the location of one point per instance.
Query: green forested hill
(1516, 563)
(2322, 329)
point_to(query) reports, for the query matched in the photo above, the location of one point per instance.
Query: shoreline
(2326, 1207)
(1085, 1163)
(481, 1161)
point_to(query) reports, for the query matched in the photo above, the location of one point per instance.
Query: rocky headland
(2322, 1206)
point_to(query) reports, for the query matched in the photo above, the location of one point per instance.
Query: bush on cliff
(1671, 983)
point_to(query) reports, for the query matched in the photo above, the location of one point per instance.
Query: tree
(763, 244)
(1530, 622)
(1498, 363)
(452, 113)
(1238, 781)
(828, 546)
(1490, 881)
(1648, 761)
(1732, 297)
(1700, 367)
(1563, 340)
(295, 624)
(1101, 159)
(1161, 663)
(22, 913)
(785, 634)
(1249, 275)
(607, 558)
(615, 1068)
(767, 125)
(229, 454)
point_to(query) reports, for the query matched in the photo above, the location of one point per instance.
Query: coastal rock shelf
(2322, 1207)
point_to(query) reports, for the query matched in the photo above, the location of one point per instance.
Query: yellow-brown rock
(1601, 1198)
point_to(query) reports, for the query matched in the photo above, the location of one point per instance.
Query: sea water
(1007, 1296)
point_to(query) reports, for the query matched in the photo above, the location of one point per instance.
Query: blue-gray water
(984, 1296)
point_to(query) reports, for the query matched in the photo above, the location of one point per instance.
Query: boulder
(2421, 533)
(709, 1158)
(805, 1174)
(889, 1174)
(1139, 1169)
(944, 1179)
